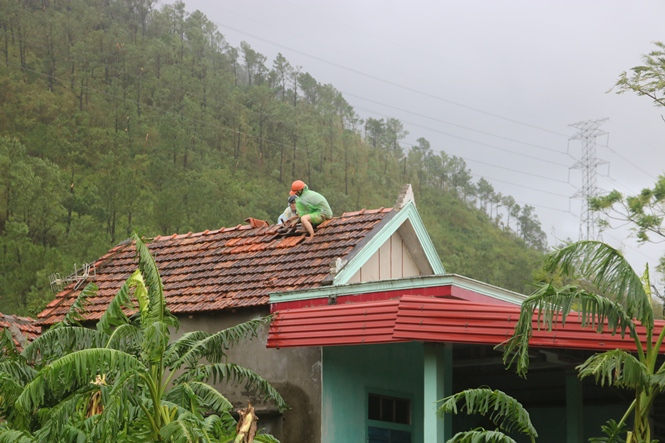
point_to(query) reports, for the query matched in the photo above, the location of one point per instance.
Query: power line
(486, 177)
(391, 83)
(410, 49)
(467, 139)
(627, 160)
(454, 124)
(392, 43)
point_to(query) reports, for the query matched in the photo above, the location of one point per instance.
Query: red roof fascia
(418, 318)
(350, 324)
(462, 322)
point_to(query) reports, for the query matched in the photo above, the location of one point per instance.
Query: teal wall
(349, 372)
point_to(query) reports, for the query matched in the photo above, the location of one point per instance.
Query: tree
(485, 193)
(124, 380)
(254, 64)
(645, 211)
(283, 70)
(375, 132)
(530, 229)
(417, 160)
(609, 295)
(509, 202)
(503, 410)
(646, 80)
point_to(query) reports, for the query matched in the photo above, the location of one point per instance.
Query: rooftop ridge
(239, 227)
(14, 317)
(365, 212)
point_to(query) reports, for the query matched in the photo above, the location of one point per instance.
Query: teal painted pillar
(438, 383)
(574, 407)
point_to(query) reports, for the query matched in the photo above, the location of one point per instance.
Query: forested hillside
(119, 116)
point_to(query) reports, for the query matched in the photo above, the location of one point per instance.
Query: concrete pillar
(438, 383)
(574, 407)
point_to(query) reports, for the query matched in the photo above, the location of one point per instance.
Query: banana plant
(610, 296)
(126, 380)
(503, 410)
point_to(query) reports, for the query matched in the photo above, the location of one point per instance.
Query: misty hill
(117, 117)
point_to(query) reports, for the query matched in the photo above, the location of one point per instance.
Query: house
(391, 349)
(215, 279)
(370, 331)
(22, 329)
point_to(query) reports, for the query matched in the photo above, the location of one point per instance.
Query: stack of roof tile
(226, 268)
(21, 328)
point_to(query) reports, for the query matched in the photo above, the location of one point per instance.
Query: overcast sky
(495, 82)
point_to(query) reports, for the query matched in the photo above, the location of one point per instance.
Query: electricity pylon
(587, 134)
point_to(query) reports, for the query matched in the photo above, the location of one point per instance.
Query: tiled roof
(227, 268)
(23, 325)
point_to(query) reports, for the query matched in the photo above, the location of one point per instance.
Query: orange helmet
(297, 185)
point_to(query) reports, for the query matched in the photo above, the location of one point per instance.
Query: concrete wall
(392, 260)
(295, 373)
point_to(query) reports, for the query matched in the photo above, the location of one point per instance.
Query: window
(389, 419)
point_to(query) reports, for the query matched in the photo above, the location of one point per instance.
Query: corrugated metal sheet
(439, 320)
(417, 318)
(350, 324)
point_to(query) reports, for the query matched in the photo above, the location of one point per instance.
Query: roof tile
(23, 325)
(228, 267)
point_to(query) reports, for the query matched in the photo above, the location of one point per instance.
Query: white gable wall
(392, 260)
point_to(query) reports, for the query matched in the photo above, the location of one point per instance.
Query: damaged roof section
(230, 267)
(23, 329)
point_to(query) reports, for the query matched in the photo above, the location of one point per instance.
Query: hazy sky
(495, 82)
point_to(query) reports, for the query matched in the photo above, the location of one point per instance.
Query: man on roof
(312, 207)
(289, 213)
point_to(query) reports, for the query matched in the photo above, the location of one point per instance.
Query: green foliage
(614, 298)
(612, 431)
(481, 435)
(121, 117)
(647, 79)
(644, 211)
(125, 380)
(503, 410)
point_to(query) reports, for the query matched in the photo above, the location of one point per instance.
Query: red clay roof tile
(25, 325)
(228, 267)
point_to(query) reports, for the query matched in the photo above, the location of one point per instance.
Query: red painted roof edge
(416, 321)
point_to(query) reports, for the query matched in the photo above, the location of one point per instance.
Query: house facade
(215, 279)
(391, 349)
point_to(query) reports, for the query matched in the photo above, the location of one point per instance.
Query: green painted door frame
(574, 408)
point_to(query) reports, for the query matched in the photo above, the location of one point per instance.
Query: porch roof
(428, 319)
